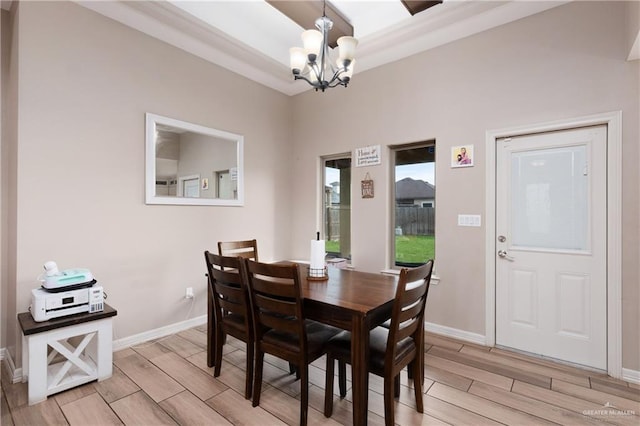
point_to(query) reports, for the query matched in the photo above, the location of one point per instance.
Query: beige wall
(567, 62)
(85, 85)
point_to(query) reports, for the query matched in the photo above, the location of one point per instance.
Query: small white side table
(66, 365)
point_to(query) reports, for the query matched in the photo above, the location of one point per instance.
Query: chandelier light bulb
(297, 59)
(347, 47)
(312, 42)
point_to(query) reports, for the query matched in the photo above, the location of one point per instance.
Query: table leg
(104, 350)
(360, 369)
(37, 389)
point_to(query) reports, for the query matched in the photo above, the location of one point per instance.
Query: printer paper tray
(70, 287)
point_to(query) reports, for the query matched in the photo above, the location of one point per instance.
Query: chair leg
(292, 369)
(396, 386)
(249, 369)
(417, 385)
(210, 329)
(328, 387)
(219, 343)
(304, 394)
(410, 370)
(389, 401)
(342, 378)
(257, 378)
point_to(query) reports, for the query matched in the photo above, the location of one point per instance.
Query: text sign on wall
(368, 156)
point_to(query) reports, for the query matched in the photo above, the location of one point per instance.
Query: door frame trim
(613, 121)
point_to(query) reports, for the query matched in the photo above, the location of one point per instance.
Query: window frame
(393, 149)
(323, 217)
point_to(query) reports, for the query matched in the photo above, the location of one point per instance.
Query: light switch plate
(469, 220)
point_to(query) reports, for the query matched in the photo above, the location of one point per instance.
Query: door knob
(503, 254)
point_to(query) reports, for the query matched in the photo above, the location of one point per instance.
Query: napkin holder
(317, 274)
(317, 266)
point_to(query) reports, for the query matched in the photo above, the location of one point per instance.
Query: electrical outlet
(189, 293)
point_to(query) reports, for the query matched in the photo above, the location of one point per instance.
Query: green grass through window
(332, 246)
(415, 248)
(409, 248)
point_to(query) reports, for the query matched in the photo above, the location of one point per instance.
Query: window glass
(414, 204)
(337, 207)
(550, 201)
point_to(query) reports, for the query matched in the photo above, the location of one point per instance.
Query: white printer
(71, 292)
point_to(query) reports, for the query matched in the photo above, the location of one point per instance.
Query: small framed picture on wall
(462, 156)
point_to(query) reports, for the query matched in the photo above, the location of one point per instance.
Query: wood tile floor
(168, 382)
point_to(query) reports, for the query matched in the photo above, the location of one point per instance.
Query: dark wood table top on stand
(355, 301)
(30, 326)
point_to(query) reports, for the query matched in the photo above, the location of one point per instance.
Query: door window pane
(337, 207)
(415, 204)
(549, 205)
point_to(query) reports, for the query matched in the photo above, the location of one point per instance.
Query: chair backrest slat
(279, 323)
(247, 249)
(275, 306)
(231, 305)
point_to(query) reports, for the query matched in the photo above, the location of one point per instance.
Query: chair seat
(317, 336)
(340, 347)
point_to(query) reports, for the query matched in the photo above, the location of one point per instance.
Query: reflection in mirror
(192, 164)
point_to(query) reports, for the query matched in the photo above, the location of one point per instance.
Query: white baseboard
(14, 373)
(631, 376)
(158, 332)
(467, 336)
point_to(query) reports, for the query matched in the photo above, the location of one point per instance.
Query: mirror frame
(151, 120)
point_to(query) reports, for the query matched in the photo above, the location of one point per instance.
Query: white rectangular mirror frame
(152, 121)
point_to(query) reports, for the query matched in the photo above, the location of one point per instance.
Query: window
(414, 203)
(336, 208)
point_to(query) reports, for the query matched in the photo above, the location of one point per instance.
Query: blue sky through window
(423, 171)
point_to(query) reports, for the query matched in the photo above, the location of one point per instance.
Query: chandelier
(313, 64)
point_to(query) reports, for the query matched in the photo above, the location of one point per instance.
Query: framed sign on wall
(367, 187)
(462, 156)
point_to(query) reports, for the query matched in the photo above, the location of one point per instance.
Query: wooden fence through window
(411, 220)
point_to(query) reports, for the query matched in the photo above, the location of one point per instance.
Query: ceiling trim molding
(454, 20)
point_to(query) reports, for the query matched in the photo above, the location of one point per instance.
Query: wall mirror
(189, 164)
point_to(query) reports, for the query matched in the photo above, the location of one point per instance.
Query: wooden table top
(351, 290)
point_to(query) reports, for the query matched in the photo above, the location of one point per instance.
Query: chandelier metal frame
(318, 70)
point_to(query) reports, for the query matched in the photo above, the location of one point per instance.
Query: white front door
(551, 270)
(226, 186)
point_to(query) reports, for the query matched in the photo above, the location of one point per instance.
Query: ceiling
(252, 38)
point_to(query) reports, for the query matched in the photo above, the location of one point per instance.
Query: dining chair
(231, 310)
(246, 248)
(280, 325)
(390, 349)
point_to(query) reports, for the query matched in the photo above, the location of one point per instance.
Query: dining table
(355, 301)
